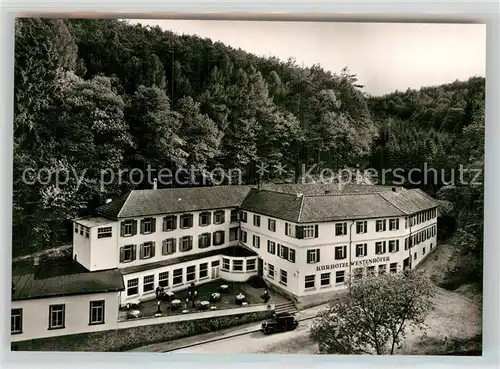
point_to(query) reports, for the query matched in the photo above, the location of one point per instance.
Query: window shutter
(292, 256)
(316, 231)
(134, 227)
(397, 245)
(385, 247)
(122, 229)
(134, 250)
(153, 249)
(344, 251)
(141, 251)
(190, 242)
(286, 229)
(153, 225)
(199, 219)
(299, 232)
(174, 221)
(142, 226)
(365, 251)
(174, 245)
(223, 216)
(190, 220)
(200, 245)
(317, 255)
(164, 247)
(209, 239)
(223, 234)
(308, 256)
(122, 253)
(164, 226)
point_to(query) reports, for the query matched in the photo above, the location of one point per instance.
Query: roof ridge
(342, 194)
(123, 205)
(397, 207)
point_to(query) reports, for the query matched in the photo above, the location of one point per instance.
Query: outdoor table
(175, 304)
(215, 296)
(134, 313)
(240, 298)
(185, 311)
(169, 294)
(213, 307)
(244, 303)
(204, 305)
(224, 287)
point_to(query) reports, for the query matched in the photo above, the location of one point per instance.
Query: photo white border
(421, 11)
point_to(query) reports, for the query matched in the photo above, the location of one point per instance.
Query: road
(293, 342)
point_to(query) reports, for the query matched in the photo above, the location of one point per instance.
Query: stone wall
(129, 338)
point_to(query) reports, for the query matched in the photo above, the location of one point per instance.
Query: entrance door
(215, 272)
(407, 263)
(260, 267)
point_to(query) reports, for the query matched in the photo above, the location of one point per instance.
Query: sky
(385, 56)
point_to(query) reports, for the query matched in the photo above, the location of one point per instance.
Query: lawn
(227, 300)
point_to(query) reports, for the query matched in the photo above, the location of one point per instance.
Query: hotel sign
(365, 262)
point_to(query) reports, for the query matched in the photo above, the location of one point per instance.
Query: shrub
(257, 282)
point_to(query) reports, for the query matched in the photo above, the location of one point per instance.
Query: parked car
(279, 323)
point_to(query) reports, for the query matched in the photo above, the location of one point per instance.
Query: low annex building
(303, 239)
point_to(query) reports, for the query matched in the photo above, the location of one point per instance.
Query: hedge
(129, 338)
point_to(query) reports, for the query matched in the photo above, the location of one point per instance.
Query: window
(308, 231)
(133, 287)
(361, 227)
(406, 243)
(169, 223)
(313, 256)
(104, 232)
(382, 269)
(393, 224)
(96, 314)
(251, 265)
(148, 283)
(215, 263)
(204, 240)
(415, 256)
(147, 250)
(234, 215)
(76, 228)
(371, 270)
(218, 238)
(283, 252)
(271, 247)
(256, 241)
(325, 279)
(270, 270)
(163, 279)
(204, 219)
(340, 252)
(168, 246)
(289, 230)
(87, 232)
(393, 245)
(256, 220)
(177, 277)
(148, 225)
(291, 255)
(271, 225)
(127, 253)
(233, 234)
(203, 270)
(380, 247)
(361, 249)
(393, 268)
(190, 273)
(237, 265)
(56, 320)
(283, 277)
(339, 277)
(358, 273)
(186, 221)
(16, 321)
(226, 264)
(340, 229)
(128, 228)
(219, 217)
(186, 243)
(243, 216)
(81, 230)
(423, 251)
(243, 236)
(310, 281)
(380, 226)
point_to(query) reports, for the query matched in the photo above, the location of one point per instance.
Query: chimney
(108, 201)
(155, 184)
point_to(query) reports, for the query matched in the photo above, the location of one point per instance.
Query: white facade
(298, 271)
(34, 318)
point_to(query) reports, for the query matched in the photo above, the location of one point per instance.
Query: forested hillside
(93, 95)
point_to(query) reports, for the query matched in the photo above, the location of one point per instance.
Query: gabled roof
(410, 201)
(344, 207)
(174, 200)
(63, 278)
(316, 189)
(275, 204)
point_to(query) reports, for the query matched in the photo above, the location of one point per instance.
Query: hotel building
(304, 240)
